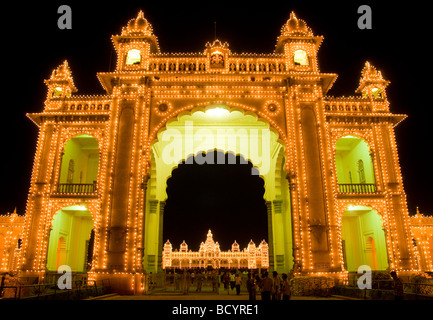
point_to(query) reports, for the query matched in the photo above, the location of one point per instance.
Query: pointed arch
(230, 106)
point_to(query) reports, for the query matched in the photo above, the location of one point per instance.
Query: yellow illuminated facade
(11, 234)
(333, 185)
(422, 232)
(210, 255)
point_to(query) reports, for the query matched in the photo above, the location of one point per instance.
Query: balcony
(76, 188)
(357, 188)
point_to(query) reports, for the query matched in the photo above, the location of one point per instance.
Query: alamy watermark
(65, 280)
(65, 20)
(364, 280)
(365, 20)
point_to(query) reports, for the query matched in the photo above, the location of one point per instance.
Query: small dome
(295, 26)
(137, 25)
(141, 22)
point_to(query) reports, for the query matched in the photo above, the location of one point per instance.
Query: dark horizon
(36, 46)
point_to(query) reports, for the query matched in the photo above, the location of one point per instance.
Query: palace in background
(210, 255)
(333, 185)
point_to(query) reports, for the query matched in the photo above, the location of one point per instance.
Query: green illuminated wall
(364, 239)
(349, 150)
(74, 225)
(83, 150)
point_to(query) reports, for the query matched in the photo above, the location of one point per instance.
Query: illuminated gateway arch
(333, 186)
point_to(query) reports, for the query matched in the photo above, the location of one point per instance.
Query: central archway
(229, 131)
(226, 198)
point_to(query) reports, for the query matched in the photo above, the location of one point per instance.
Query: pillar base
(120, 282)
(31, 277)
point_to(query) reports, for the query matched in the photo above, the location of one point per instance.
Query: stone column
(396, 199)
(315, 196)
(140, 246)
(160, 234)
(120, 188)
(36, 196)
(270, 237)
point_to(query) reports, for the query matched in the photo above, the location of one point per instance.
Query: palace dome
(138, 25)
(295, 26)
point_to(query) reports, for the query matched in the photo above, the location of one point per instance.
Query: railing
(357, 188)
(76, 188)
(384, 289)
(50, 291)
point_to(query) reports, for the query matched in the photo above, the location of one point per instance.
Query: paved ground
(208, 305)
(201, 296)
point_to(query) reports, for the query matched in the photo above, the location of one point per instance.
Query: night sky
(398, 45)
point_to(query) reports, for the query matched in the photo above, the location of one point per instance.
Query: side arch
(78, 168)
(354, 164)
(364, 239)
(71, 229)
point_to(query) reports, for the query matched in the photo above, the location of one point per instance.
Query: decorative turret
(60, 84)
(372, 85)
(217, 53)
(209, 237)
(183, 247)
(235, 247)
(251, 244)
(296, 27)
(135, 44)
(298, 43)
(138, 27)
(167, 246)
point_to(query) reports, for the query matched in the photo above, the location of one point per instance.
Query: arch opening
(232, 134)
(71, 239)
(354, 164)
(225, 198)
(79, 166)
(363, 239)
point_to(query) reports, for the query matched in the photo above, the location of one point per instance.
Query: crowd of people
(259, 284)
(269, 288)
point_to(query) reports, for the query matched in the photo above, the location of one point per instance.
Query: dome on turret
(137, 26)
(296, 27)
